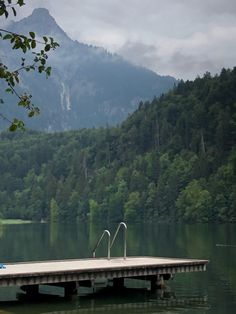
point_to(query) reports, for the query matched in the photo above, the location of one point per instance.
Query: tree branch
(22, 36)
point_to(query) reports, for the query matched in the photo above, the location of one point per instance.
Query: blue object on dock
(2, 266)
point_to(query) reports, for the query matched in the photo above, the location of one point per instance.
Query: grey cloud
(189, 64)
(209, 51)
(217, 6)
(183, 38)
(178, 64)
(139, 53)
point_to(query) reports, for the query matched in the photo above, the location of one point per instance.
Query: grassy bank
(14, 221)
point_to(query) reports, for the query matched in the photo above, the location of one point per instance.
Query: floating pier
(71, 274)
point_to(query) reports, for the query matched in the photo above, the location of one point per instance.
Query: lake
(213, 291)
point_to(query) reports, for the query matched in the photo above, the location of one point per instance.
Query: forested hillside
(173, 159)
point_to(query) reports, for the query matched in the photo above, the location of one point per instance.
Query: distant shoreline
(14, 221)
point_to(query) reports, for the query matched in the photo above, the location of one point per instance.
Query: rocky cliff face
(88, 86)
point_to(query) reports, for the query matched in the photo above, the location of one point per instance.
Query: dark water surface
(213, 291)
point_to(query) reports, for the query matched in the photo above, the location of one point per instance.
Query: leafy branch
(6, 5)
(39, 63)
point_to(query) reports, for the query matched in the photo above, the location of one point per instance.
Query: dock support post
(157, 282)
(31, 290)
(70, 288)
(118, 283)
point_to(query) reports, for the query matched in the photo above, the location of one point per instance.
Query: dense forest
(172, 159)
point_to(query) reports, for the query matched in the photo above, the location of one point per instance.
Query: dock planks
(57, 271)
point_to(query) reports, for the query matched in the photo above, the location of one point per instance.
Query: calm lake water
(213, 291)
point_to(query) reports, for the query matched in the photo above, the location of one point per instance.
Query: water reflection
(107, 301)
(1, 230)
(54, 231)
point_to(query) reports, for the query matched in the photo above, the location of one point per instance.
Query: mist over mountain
(89, 86)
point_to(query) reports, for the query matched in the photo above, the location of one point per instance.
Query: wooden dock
(73, 273)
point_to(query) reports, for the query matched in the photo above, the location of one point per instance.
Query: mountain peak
(41, 22)
(41, 12)
(89, 86)
(41, 16)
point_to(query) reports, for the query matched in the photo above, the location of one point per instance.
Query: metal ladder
(108, 246)
(110, 243)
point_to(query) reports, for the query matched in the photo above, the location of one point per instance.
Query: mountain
(172, 159)
(88, 87)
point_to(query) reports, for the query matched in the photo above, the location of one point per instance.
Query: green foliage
(173, 159)
(194, 202)
(11, 78)
(132, 207)
(7, 5)
(95, 212)
(54, 211)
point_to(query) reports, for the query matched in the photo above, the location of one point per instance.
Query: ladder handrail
(108, 246)
(117, 230)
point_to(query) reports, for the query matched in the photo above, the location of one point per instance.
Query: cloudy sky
(182, 38)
